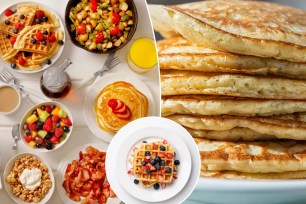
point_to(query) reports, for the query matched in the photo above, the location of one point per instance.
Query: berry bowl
(46, 126)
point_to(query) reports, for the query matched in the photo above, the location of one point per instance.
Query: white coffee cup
(7, 97)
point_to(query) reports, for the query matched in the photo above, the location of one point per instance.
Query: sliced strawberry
(32, 126)
(55, 140)
(121, 110)
(120, 104)
(125, 115)
(8, 12)
(112, 103)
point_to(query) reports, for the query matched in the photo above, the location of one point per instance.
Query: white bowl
(19, 100)
(9, 167)
(29, 112)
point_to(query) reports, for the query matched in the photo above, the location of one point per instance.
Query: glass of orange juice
(142, 56)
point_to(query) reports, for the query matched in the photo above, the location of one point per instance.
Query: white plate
(94, 90)
(9, 167)
(54, 57)
(137, 131)
(74, 155)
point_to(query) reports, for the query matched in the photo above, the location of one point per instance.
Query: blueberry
(143, 163)
(48, 61)
(43, 107)
(52, 107)
(13, 65)
(45, 18)
(162, 162)
(45, 32)
(58, 125)
(152, 161)
(147, 153)
(15, 10)
(60, 42)
(21, 16)
(27, 132)
(148, 171)
(177, 162)
(26, 54)
(38, 145)
(37, 21)
(168, 170)
(33, 41)
(144, 142)
(156, 186)
(162, 148)
(43, 42)
(49, 145)
(35, 112)
(7, 22)
(66, 129)
(15, 30)
(157, 159)
(157, 166)
(8, 36)
(136, 181)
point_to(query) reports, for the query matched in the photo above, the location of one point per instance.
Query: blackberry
(177, 162)
(156, 186)
(136, 181)
(39, 125)
(49, 145)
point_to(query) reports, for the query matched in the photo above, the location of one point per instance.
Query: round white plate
(146, 129)
(55, 57)
(9, 167)
(74, 155)
(94, 90)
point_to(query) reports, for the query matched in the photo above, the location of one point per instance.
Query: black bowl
(68, 22)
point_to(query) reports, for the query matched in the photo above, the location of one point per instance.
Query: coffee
(9, 99)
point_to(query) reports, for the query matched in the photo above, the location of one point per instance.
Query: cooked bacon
(85, 177)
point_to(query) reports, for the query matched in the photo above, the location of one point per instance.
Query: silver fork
(111, 62)
(9, 79)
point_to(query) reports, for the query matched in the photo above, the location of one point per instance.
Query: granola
(29, 162)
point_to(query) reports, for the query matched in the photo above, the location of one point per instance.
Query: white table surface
(84, 64)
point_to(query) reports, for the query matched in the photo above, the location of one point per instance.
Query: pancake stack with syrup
(233, 73)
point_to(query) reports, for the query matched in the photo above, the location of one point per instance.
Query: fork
(111, 62)
(8, 78)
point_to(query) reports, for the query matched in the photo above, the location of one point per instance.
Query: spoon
(16, 136)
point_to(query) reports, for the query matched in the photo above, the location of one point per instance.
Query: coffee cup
(10, 99)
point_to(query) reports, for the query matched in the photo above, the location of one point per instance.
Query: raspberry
(8, 12)
(39, 36)
(58, 132)
(21, 60)
(39, 14)
(52, 38)
(32, 127)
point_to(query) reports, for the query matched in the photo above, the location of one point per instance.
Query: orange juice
(142, 55)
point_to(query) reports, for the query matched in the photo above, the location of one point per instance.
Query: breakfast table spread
(83, 65)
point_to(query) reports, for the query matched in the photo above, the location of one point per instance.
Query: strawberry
(58, 132)
(55, 118)
(174, 176)
(48, 109)
(21, 60)
(39, 36)
(32, 126)
(39, 14)
(112, 103)
(12, 40)
(8, 12)
(55, 140)
(27, 138)
(52, 38)
(120, 110)
(48, 125)
(66, 121)
(18, 25)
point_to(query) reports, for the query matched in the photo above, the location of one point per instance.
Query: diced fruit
(39, 111)
(39, 14)
(63, 137)
(32, 144)
(58, 132)
(38, 140)
(33, 118)
(43, 117)
(8, 12)
(62, 113)
(49, 145)
(32, 126)
(48, 109)
(42, 133)
(27, 138)
(55, 118)
(55, 140)
(55, 111)
(66, 121)
(34, 134)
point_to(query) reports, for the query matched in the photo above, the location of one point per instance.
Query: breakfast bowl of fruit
(46, 126)
(101, 26)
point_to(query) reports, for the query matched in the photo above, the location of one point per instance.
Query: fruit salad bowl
(46, 126)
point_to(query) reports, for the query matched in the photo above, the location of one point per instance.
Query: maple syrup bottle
(55, 82)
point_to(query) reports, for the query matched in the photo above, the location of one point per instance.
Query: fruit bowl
(46, 126)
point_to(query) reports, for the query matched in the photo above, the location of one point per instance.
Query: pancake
(254, 176)
(280, 128)
(127, 93)
(161, 21)
(178, 53)
(187, 82)
(244, 27)
(221, 105)
(252, 157)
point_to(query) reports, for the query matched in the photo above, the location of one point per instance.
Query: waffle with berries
(6, 48)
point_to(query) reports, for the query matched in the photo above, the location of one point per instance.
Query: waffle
(155, 176)
(23, 42)
(6, 48)
(29, 14)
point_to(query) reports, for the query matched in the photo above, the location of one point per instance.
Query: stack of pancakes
(233, 73)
